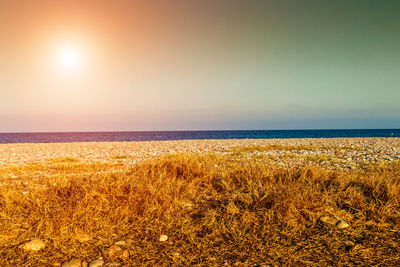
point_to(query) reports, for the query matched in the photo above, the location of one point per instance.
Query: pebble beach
(336, 153)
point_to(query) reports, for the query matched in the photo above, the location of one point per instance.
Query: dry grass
(214, 210)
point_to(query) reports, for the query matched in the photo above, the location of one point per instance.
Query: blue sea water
(53, 137)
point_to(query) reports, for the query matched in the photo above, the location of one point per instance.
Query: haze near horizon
(198, 65)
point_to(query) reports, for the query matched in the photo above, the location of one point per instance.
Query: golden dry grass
(214, 210)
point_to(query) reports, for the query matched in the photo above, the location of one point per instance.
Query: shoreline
(379, 148)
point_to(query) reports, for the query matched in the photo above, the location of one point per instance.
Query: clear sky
(198, 65)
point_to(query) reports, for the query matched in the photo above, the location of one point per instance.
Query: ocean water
(187, 135)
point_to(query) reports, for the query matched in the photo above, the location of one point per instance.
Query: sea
(65, 137)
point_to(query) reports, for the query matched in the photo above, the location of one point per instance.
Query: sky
(127, 65)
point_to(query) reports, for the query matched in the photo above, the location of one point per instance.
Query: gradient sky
(198, 65)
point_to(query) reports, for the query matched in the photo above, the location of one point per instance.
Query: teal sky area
(201, 65)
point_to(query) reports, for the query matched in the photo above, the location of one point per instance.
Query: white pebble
(163, 238)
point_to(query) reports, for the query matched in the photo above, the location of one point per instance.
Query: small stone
(333, 220)
(358, 236)
(342, 225)
(96, 263)
(328, 219)
(163, 238)
(176, 254)
(112, 264)
(84, 264)
(120, 243)
(72, 263)
(349, 244)
(117, 252)
(33, 245)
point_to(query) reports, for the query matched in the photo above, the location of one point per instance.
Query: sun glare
(70, 57)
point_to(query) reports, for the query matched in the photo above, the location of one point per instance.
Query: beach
(348, 151)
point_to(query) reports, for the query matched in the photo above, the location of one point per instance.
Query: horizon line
(215, 130)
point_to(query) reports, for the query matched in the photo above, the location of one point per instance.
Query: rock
(358, 237)
(120, 243)
(72, 263)
(33, 245)
(84, 264)
(163, 238)
(328, 219)
(342, 225)
(333, 220)
(348, 244)
(117, 252)
(96, 263)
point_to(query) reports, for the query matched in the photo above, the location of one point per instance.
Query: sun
(70, 57)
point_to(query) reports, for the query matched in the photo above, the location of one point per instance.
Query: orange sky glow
(83, 65)
(69, 57)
